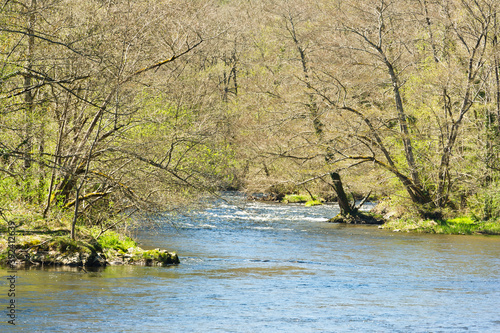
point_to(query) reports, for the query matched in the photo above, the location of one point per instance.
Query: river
(263, 267)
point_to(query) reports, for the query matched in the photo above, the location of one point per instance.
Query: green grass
(490, 228)
(456, 226)
(461, 220)
(452, 228)
(112, 240)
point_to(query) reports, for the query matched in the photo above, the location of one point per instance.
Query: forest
(110, 108)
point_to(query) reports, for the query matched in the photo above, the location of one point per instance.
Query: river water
(262, 267)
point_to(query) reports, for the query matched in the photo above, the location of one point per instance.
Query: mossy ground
(403, 216)
(48, 241)
(456, 226)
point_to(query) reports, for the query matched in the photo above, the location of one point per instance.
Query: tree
(383, 37)
(87, 83)
(388, 86)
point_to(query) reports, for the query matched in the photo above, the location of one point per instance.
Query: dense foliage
(108, 107)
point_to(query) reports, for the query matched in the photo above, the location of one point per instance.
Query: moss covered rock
(138, 256)
(62, 250)
(359, 218)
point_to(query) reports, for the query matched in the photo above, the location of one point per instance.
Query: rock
(160, 257)
(359, 218)
(63, 251)
(138, 256)
(72, 259)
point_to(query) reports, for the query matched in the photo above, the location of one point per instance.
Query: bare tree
(87, 77)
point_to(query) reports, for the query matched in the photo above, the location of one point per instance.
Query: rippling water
(276, 268)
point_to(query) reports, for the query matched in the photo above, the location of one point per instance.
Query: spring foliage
(108, 108)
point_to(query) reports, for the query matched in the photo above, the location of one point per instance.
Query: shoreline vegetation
(395, 219)
(98, 120)
(40, 242)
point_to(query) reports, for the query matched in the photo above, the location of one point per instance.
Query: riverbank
(54, 249)
(41, 242)
(50, 250)
(36, 241)
(455, 226)
(397, 219)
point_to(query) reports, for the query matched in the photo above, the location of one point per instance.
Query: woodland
(112, 107)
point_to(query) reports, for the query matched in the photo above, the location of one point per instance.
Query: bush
(485, 205)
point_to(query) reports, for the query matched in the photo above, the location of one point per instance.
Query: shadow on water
(275, 268)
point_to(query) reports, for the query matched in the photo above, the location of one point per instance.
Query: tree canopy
(108, 107)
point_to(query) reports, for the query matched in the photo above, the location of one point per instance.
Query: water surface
(275, 268)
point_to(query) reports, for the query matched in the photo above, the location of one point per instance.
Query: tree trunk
(345, 207)
(28, 92)
(497, 65)
(403, 125)
(312, 106)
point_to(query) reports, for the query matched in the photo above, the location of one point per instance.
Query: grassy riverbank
(401, 216)
(40, 241)
(454, 226)
(405, 217)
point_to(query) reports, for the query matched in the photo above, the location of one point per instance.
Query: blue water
(259, 267)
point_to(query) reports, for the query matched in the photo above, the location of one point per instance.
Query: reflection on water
(272, 268)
